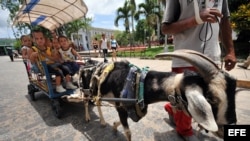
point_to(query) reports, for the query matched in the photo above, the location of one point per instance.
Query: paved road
(26, 120)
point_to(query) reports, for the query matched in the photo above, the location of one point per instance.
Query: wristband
(197, 13)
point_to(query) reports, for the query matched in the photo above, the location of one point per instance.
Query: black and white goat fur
(209, 94)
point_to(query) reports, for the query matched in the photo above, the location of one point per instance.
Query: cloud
(103, 7)
(5, 29)
(102, 12)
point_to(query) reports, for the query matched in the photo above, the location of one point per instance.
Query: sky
(102, 12)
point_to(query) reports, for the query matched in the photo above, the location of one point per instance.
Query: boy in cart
(69, 55)
(43, 53)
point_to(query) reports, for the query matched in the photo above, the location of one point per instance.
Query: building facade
(85, 37)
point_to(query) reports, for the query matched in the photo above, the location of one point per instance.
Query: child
(69, 55)
(26, 45)
(43, 53)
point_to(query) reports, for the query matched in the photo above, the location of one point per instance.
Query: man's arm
(179, 26)
(227, 42)
(207, 15)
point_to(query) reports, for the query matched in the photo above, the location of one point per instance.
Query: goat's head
(90, 77)
(216, 107)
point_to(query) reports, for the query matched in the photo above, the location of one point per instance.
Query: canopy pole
(31, 26)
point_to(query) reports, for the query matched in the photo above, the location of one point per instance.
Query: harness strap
(137, 107)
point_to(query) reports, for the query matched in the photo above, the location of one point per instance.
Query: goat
(207, 95)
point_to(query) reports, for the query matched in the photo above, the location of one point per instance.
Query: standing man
(196, 25)
(104, 46)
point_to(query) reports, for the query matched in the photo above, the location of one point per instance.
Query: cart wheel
(57, 109)
(31, 92)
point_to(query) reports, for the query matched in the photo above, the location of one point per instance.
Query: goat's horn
(204, 65)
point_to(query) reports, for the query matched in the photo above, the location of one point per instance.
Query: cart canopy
(50, 14)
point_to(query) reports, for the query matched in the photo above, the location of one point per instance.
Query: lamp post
(166, 43)
(144, 39)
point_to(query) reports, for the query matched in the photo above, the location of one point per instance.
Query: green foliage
(124, 14)
(140, 34)
(241, 18)
(6, 41)
(122, 38)
(76, 25)
(17, 45)
(150, 52)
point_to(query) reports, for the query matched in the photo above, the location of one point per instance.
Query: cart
(44, 82)
(50, 15)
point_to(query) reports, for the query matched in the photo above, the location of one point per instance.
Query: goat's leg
(102, 121)
(115, 125)
(86, 105)
(123, 115)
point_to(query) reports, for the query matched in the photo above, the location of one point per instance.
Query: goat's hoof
(103, 124)
(114, 131)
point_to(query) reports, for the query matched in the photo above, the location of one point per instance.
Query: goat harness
(134, 89)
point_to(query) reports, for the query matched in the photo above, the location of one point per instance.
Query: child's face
(39, 39)
(56, 44)
(64, 43)
(26, 41)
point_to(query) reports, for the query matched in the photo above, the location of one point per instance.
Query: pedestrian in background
(104, 45)
(95, 46)
(114, 45)
(10, 53)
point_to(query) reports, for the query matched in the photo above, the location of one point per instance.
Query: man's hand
(230, 61)
(210, 15)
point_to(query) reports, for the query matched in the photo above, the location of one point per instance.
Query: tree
(241, 18)
(13, 9)
(140, 34)
(75, 26)
(124, 13)
(133, 11)
(152, 12)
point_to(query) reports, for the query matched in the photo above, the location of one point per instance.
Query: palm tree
(133, 11)
(151, 10)
(124, 13)
(76, 25)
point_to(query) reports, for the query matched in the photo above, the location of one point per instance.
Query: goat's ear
(200, 109)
